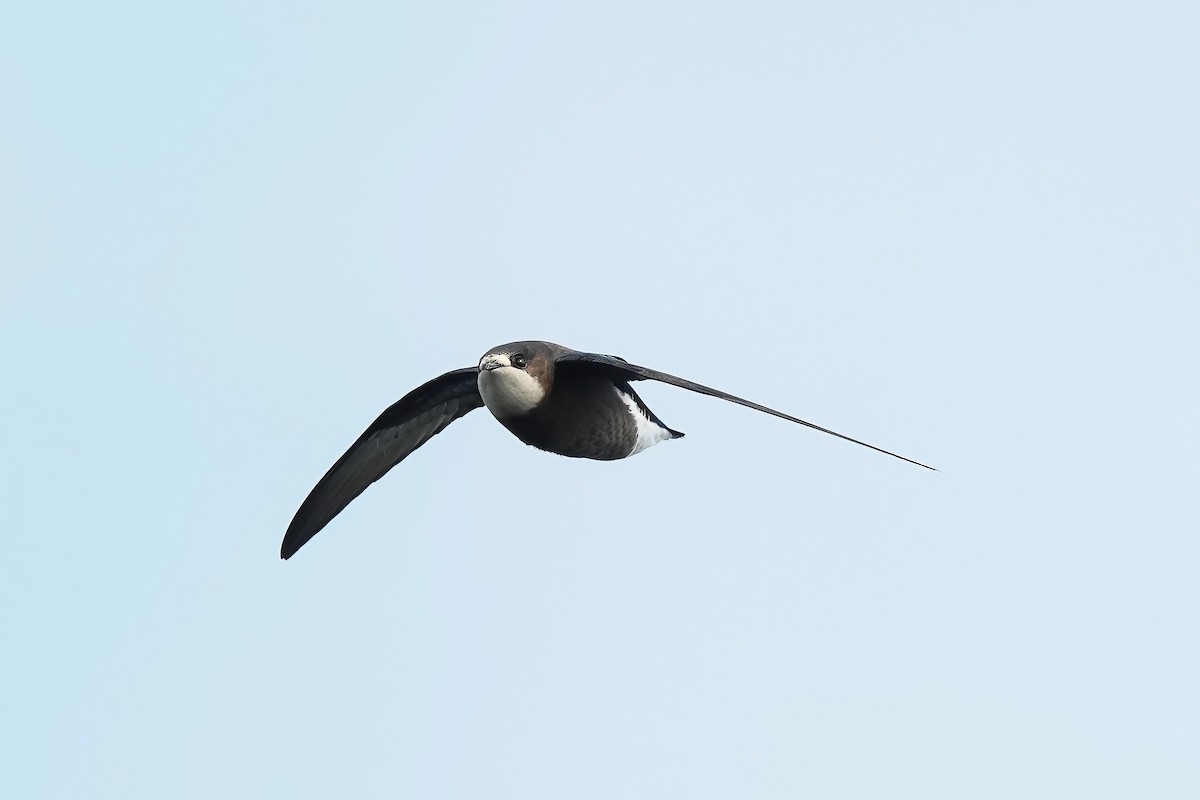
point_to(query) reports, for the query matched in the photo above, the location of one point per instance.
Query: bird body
(580, 413)
(560, 400)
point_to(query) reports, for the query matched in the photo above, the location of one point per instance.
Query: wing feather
(632, 372)
(402, 428)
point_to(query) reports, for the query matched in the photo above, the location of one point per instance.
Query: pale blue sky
(232, 233)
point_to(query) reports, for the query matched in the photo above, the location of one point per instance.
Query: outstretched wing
(406, 425)
(621, 368)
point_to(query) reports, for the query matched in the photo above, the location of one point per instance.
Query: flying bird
(549, 396)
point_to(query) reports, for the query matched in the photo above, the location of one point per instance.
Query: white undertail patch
(649, 432)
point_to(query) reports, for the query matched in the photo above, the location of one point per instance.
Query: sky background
(232, 233)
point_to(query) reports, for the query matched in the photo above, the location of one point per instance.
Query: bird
(551, 397)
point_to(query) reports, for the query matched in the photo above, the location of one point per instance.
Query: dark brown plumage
(549, 396)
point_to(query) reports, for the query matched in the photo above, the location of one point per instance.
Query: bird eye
(518, 361)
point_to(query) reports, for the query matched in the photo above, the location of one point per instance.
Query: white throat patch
(509, 392)
(649, 432)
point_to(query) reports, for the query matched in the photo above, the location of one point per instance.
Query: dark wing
(409, 423)
(619, 367)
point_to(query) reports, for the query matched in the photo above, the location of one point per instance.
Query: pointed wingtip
(911, 461)
(902, 458)
(288, 548)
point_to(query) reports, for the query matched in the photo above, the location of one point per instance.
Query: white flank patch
(649, 433)
(508, 391)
